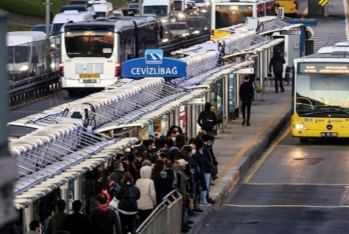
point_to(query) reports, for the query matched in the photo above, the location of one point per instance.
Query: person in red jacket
(104, 219)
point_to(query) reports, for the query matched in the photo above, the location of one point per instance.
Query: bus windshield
(157, 10)
(322, 95)
(18, 54)
(178, 27)
(100, 14)
(89, 43)
(56, 28)
(228, 15)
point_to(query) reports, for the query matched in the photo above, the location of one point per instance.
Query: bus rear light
(61, 70)
(117, 69)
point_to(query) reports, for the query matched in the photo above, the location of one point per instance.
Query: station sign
(324, 68)
(154, 64)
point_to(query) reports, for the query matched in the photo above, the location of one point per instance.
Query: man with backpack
(207, 119)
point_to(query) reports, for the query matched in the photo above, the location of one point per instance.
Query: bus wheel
(303, 139)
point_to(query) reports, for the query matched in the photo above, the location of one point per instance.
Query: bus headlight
(299, 126)
(24, 68)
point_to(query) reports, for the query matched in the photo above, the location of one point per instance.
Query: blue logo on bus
(154, 56)
(154, 64)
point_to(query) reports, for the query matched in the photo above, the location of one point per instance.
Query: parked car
(117, 13)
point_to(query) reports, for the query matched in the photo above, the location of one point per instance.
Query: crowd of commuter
(121, 194)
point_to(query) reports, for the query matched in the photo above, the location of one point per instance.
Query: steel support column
(77, 189)
(28, 216)
(64, 194)
(8, 167)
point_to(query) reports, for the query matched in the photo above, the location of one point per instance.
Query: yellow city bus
(321, 94)
(290, 6)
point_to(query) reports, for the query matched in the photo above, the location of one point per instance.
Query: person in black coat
(277, 62)
(207, 119)
(77, 222)
(165, 179)
(116, 175)
(246, 95)
(104, 219)
(127, 194)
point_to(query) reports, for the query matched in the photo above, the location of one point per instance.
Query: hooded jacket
(146, 186)
(183, 181)
(203, 114)
(104, 219)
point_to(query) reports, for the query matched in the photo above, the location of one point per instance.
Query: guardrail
(166, 218)
(180, 43)
(32, 87)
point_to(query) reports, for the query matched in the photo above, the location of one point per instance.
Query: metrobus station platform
(238, 146)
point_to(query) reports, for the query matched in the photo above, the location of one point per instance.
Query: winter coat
(115, 176)
(104, 220)
(128, 194)
(165, 183)
(183, 182)
(201, 170)
(277, 62)
(77, 223)
(147, 188)
(204, 113)
(55, 222)
(246, 92)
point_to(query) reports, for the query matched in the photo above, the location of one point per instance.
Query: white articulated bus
(26, 54)
(92, 52)
(234, 12)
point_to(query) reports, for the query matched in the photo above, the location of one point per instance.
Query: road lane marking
(285, 206)
(259, 162)
(249, 144)
(311, 146)
(296, 184)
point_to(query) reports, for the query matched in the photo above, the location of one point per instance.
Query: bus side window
(123, 49)
(35, 58)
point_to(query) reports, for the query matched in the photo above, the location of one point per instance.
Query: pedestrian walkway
(239, 146)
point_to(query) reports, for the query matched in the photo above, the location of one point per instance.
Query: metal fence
(167, 216)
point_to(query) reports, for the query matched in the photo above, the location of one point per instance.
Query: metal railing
(166, 218)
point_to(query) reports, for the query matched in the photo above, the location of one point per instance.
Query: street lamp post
(48, 43)
(8, 168)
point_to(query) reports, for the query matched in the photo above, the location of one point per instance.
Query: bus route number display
(324, 68)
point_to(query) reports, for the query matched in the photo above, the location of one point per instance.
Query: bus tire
(303, 139)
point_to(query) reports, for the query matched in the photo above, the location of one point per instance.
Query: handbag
(114, 203)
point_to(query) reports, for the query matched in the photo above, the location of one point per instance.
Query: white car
(118, 13)
(179, 29)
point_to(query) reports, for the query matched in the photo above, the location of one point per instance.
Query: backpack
(207, 121)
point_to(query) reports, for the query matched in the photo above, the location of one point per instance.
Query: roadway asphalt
(39, 105)
(293, 188)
